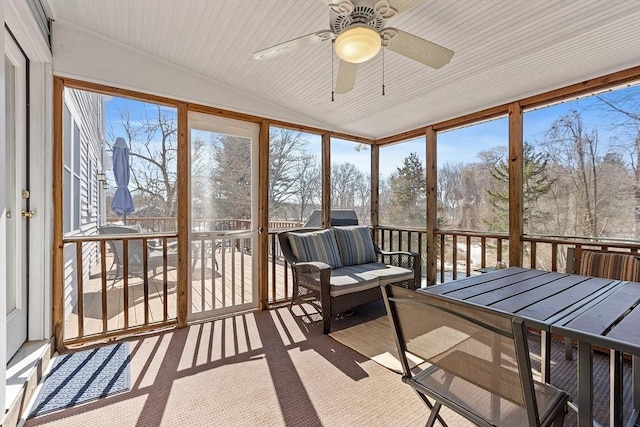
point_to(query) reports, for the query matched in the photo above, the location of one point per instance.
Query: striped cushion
(316, 246)
(610, 265)
(356, 245)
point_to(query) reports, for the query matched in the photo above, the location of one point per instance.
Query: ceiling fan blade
(416, 48)
(304, 41)
(346, 77)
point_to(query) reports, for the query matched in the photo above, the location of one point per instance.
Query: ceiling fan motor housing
(361, 14)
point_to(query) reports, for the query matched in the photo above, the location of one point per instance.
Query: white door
(17, 194)
(223, 220)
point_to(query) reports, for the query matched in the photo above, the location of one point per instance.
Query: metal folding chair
(479, 361)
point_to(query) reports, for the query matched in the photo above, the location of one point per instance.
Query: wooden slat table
(592, 310)
(613, 322)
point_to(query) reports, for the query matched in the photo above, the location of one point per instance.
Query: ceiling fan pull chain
(332, 91)
(382, 71)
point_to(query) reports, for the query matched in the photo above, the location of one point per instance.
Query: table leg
(635, 388)
(585, 384)
(615, 388)
(545, 356)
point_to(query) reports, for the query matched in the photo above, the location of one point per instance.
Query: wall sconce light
(105, 186)
(102, 176)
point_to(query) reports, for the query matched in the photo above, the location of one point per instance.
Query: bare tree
(350, 189)
(288, 160)
(308, 186)
(450, 189)
(571, 145)
(345, 179)
(153, 156)
(624, 107)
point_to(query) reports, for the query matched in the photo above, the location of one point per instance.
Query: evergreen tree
(536, 183)
(231, 178)
(408, 194)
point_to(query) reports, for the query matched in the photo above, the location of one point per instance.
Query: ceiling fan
(358, 30)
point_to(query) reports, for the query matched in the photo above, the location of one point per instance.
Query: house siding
(87, 111)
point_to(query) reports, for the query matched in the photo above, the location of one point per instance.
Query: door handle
(28, 215)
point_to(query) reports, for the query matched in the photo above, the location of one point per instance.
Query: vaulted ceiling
(504, 51)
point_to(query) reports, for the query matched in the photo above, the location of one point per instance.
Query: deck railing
(164, 224)
(104, 299)
(106, 296)
(463, 253)
(88, 276)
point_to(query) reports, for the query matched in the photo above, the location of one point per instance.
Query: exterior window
(72, 162)
(295, 178)
(351, 178)
(586, 166)
(402, 191)
(473, 177)
(589, 148)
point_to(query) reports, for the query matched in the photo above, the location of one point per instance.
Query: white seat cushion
(357, 278)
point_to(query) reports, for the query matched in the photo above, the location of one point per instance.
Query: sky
(458, 145)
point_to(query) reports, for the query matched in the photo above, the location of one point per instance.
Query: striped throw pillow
(610, 265)
(316, 246)
(355, 245)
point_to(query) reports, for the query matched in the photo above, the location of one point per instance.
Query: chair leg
(294, 293)
(435, 410)
(558, 421)
(326, 323)
(545, 356)
(434, 414)
(194, 260)
(568, 349)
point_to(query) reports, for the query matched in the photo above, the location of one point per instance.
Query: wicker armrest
(410, 260)
(303, 274)
(311, 267)
(398, 258)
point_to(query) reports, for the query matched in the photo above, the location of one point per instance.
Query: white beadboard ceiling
(504, 50)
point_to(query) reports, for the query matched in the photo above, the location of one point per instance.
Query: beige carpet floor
(272, 368)
(374, 340)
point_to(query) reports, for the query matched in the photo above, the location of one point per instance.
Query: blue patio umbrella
(122, 203)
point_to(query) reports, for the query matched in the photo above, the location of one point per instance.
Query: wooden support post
(375, 189)
(80, 285)
(432, 204)
(263, 215)
(326, 180)
(515, 185)
(58, 247)
(183, 220)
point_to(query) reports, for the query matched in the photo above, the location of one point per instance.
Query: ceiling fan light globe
(358, 44)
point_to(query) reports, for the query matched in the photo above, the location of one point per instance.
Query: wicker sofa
(343, 268)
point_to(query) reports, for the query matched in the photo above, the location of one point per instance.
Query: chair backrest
(485, 349)
(607, 264)
(285, 245)
(134, 247)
